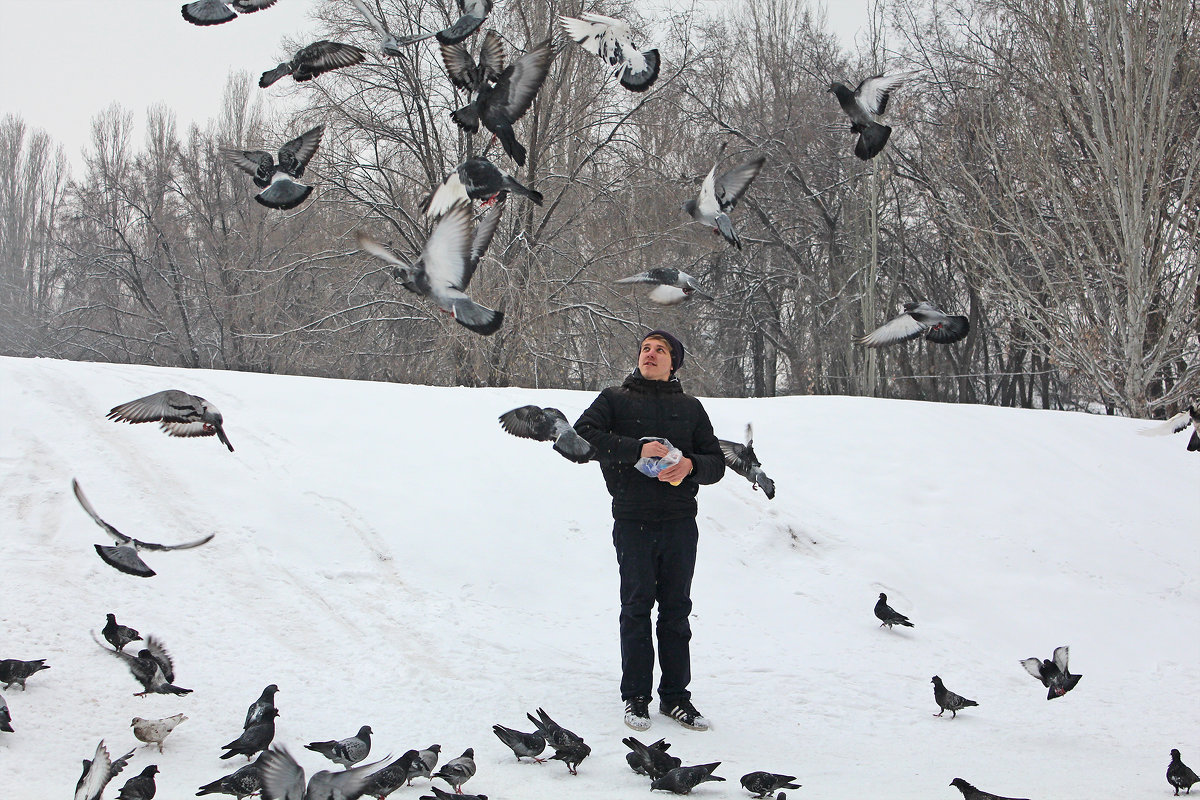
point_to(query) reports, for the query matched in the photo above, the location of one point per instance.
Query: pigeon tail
(207, 12)
(644, 79)
(725, 226)
(871, 140)
(950, 331)
(460, 30)
(272, 75)
(511, 146)
(477, 318)
(515, 186)
(766, 484)
(1194, 442)
(282, 194)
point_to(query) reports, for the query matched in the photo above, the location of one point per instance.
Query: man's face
(654, 360)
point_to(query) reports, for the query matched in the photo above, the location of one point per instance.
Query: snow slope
(388, 556)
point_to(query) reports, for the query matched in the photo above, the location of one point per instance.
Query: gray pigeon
(668, 277)
(255, 738)
(865, 103)
(682, 780)
(5, 717)
(458, 771)
(442, 794)
(761, 784)
(279, 179)
(948, 700)
(283, 779)
(548, 425)
(391, 777)
(919, 319)
(1180, 775)
(97, 772)
(719, 194)
(429, 759)
(971, 793)
(152, 667)
(389, 45)
(651, 760)
(257, 712)
(1179, 423)
(180, 414)
(154, 731)
(475, 179)
(446, 264)
(216, 12)
(346, 752)
(140, 786)
(611, 40)
(124, 555)
(241, 783)
(1054, 674)
(119, 635)
(523, 745)
(888, 615)
(742, 460)
(473, 13)
(313, 60)
(13, 670)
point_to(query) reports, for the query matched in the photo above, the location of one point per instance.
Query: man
(654, 522)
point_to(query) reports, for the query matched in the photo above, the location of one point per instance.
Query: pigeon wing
(519, 84)
(900, 329)
(873, 93)
(83, 501)
(184, 546)
(161, 657)
(641, 277)
(323, 56)
(1061, 654)
(295, 155)
(252, 162)
(282, 778)
(528, 422)
(447, 251)
(730, 187)
(491, 56)
(171, 404)
(373, 247)
(370, 18)
(1034, 667)
(484, 232)
(734, 454)
(1175, 424)
(707, 205)
(460, 67)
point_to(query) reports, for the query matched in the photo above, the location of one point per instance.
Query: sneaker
(637, 713)
(685, 714)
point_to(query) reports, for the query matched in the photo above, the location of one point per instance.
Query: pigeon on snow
(569, 746)
(442, 794)
(124, 555)
(255, 738)
(682, 780)
(571, 754)
(16, 671)
(283, 779)
(888, 615)
(215, 12)
(241, 783)
(257, 712)
(446, 265)
(388, 779)
(948, 700)
(389, 45)
(669, 278)
(279, 180)
(458, 771)
(313, 60)
(865, 103)
(98, 771)
(651, 760)
(719, 194)
(742, 460)
(473, 13)
(610, 39)
(761, 784)
(475, 179)
(346, 752)
(152, 667)
(548, 425)
(971, 793)
(5, 717)
(1180, 775)
(153, 731)
(1053, 673)
(119, 635)
(919, 319)
(1178, 423)
(180, 414)
(523, 745)
(140, 786)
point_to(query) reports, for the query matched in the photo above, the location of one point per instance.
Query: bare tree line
(1043, 179)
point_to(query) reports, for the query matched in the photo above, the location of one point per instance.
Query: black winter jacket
(621, 416)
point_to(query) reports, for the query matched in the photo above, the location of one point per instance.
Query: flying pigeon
(391, 777)
(571, 754)
(124, 555)
(446, 265)
(429, 760)
(948, 700)
(152, 667)
(971, 793)
(1053, 674)
(865, 103)
(140, 786)
(97, 772)
(888, 615)
(523, 745)
(254, 738)
(283, 779)
(215, 12)
(548, 425)
(119, 635)
(5, 717)
(682, 780)
(458, 771)
(389, 45)
(719, 195)
(241, 783)
(279, 180)
(475, 179)
(671, 277)
(442, 794)
(919, 319)
(650, 759)
(474, 12)
(346, 752)
(498, 106)
(153, 731)
(1180, 775)
(1178, 423)
(742, 460)
(611, 40)
(180, 414)
(313, 60)
(257, 712)
(13, 670)
(761, 784)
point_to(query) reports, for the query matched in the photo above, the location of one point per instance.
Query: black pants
(657, 560)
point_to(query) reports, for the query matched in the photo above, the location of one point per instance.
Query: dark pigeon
(442, 794)
(179, 413)
(742, 460)
(313, 60)
(389, 44)
(140, 786)
(611, 40)
(475, 179)
(124, 555)
(682, 780)
(257, 712)
(556, 735)
(348, 751)
(391, 777)
(458, 771)
(948, 700)
(5, 717)
(761, 784)
(15, 671)
(242, 783)
(1053, 674)
(446, 264)
(119, 635)
(98, 771)
(651, 760)
(571, 754)
(971, 793)
(216, 12)
(152, 667)
(668, 277)
(720, 194)
(1189, 417)
(283, 779)
(919, 319)
(280, 179)
(548, 425)
(523, 745)
(1180, 775)
(888, 615)
(473, 13)
(865, 103)
(256, 738)
(429, 760)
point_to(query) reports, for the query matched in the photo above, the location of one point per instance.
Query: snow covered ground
(388, 556)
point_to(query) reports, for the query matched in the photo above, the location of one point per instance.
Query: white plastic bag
(650, 467)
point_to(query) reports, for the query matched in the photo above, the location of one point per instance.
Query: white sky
(63, 61)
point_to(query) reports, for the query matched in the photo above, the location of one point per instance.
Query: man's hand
(654, 450)
(676, 472)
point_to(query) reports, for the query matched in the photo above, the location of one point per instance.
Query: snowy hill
(388, 556)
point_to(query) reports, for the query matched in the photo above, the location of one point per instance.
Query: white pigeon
(610, 39)
(919, 319)
(153, 731)
(97, 772)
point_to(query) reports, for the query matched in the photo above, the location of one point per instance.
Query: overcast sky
(63, 61)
